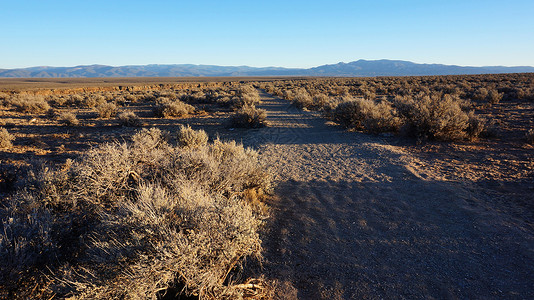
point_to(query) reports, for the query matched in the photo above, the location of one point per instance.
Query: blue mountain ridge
(358, 68)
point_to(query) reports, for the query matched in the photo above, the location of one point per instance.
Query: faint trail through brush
(356, 217)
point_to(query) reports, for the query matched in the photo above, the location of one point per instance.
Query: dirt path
(356, 218)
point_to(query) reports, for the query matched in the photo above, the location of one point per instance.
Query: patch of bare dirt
(360, 216)
(41, 137)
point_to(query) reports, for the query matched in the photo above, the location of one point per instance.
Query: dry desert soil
(357, 217)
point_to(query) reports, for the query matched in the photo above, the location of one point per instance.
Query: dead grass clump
(5, 138)
(129, 118)
(174, 108)
(529, 136)
(249, 117)
(130, 220)
(106, 110)
(435, 117)
(35, 104)
(190, 138)
(68, 119)
(366, 115)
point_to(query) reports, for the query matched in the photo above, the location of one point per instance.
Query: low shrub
(129, 118)
(494, 97)
(434, 117)
(5, 138)
(480, 94)
(127, 221)
(249, 117)
(94, 100)
(174, 108)
(246, 96)
(106, 110)
(76, 100)
(190, 138)
(149, 139)
(476, 125)
(366, 115)
(68, 119)
(56, 100)
(301, 99)
(30, 104)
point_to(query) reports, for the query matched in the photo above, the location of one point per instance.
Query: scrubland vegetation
(136, 199)
(443, 108)
(5, 138)
(161, 212)
(133, 219)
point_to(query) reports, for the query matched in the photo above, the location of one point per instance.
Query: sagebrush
(249, 117)
(129, 118)
(188, 137)
(27, 103)
(128, 220)
(6, 138)
(175, 108)
(106, 110)
(68, 119)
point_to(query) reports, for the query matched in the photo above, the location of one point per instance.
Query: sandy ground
(356, 217)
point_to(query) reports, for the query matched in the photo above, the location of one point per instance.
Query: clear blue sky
(265, 33)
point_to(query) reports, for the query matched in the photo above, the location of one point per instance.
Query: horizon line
(250, 66)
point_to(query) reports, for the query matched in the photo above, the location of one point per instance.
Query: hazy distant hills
(355, 68)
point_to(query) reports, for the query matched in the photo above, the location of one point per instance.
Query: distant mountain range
(353, 69)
